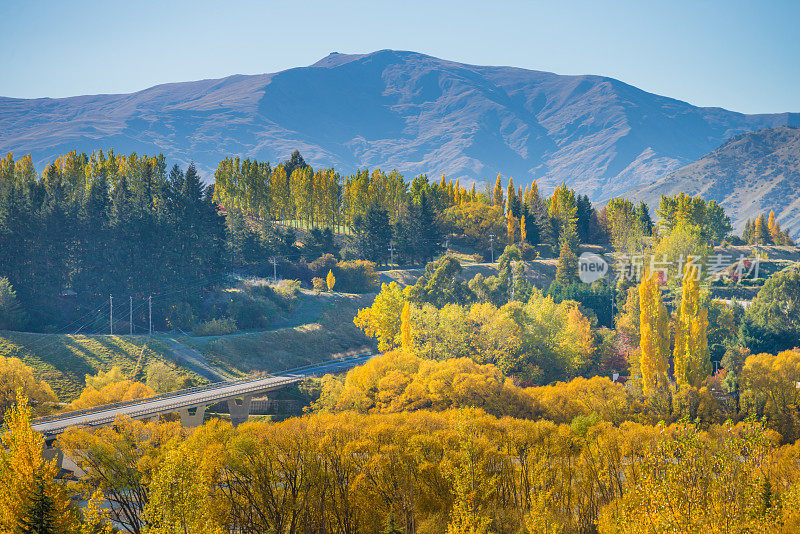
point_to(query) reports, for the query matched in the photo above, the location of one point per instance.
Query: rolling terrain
(748, 175)
(394, 109)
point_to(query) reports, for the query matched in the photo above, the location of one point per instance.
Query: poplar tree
(405, 326)
(690, 355)
(497, 197)
(330, 280)
(653, 335)
(511, 229)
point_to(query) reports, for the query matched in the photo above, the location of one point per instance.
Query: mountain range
(395, 109)
(748, 175)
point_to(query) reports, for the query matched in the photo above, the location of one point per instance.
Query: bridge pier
(51, 452)
(239, 408)
(193, 417)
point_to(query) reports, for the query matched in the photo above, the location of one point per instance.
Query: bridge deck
(189, 398)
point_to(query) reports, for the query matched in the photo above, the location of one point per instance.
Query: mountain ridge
(396, 109)
(748, 175)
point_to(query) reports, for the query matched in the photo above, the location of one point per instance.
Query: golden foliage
(691, 356)
(15, 378)
(330, 280)
(23, 470)
(382, 319)
(653, 336)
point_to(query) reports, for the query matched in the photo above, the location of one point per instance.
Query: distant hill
(748, 175)
(394, 109)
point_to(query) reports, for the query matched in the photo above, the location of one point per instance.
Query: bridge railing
(184, 392)
(175, 406)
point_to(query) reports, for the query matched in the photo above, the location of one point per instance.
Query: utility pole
(391, 252)
(274, 261)
(491, 245)
(131, 315)
(150, 313)
(111, 314)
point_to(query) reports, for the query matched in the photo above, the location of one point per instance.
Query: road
(189, 398)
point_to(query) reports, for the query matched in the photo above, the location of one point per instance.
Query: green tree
(441, 284)
(772, 322)
(497, 196)
(11, 315)
(39, 514)
(567, 271)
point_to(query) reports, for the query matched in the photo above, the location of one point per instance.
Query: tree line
(103, 224)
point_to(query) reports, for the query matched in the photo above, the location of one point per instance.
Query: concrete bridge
(191, 403)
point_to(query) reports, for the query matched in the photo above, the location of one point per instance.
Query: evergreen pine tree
(512, 200)
(39, 515)
(761, 231)
(567, 271)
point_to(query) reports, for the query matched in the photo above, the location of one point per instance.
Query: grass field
(63, 361)
(320, 328)
(332, 334)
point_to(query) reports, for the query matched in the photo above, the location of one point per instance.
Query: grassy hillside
(64, 360)
(332, 334)
(321, 327)
(539, 272)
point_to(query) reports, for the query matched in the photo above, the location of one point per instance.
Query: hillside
(321, 328)
(394, 109)
(63, 361)
(330, 335)
(748, 175)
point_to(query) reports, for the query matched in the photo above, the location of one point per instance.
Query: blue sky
(734, 54)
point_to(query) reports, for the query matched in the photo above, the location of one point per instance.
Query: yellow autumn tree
(774, 227)
(179, 500)
(405, 326)
(15, 376)
(330, 280)
(690, 355)
(108, 388)
(29, 491)
(653, 335)
(511, 229)
(382, 319)
(523, 231)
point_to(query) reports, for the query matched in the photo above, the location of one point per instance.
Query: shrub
(356, 276)
(527, 251)
(322, 265)
(216, 327)
(319, 284)
(251, 312)
(287, 290)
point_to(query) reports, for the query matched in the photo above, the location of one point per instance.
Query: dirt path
(196, 359)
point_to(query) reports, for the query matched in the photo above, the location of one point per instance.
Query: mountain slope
(393, 109)
(748, 175)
